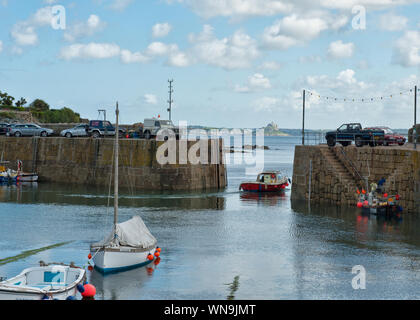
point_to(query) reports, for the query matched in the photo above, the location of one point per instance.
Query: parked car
(29, 129)
(100, 128)
(152, 127)
(3, 128)
(390, 136)
(80, 130)
(354, 132)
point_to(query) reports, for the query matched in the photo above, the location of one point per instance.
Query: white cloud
(255, 82)
(84, 29)
(120, 5)
(24, 32)
(150, 99)
(339, 50)
(407, 49)
(237, 51)
(266, 104)
(292, 30)
(90, 51)
(136, 57)
(160, 30)
(392, 22)
(235, 8)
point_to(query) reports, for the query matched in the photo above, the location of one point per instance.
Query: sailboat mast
(117, 112)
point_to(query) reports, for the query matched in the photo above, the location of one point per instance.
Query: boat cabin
(269, 177)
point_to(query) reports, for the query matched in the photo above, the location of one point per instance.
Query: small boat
(267, 182)
(23, 176)
(6, 175)
(380, 204)
(40, 283)
(130, 244)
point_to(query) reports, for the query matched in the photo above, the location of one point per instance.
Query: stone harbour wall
(90, 161)
(334, 181)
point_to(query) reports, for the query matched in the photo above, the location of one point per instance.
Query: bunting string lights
(358, 99)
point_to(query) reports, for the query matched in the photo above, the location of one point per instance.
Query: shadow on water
(98, 196)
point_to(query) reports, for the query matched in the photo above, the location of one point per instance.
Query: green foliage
(64, 115)
(20, 103)
(5, 99)
(39, 105)
(7, 115)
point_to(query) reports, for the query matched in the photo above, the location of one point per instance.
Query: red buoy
(359, 204)
(90, 291)
(366, 203)
(89, 256)
(158, 249)
(150, 257)
(157, 254)
(385, 195)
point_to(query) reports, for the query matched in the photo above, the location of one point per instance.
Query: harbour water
(276, 248)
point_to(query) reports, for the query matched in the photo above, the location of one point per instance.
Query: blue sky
(235, 63)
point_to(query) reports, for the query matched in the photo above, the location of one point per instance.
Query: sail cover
(132, 233)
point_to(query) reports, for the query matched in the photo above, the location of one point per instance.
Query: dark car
(350, 132)
(100, 128)
(390, 136)
(3, 128)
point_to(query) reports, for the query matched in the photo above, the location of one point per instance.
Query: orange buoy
(90, 291)
(150, 257)
(89, 256)
(363, 191)
(90, 268)
(158, 249)
(157, 254)
(385, 195)
(359, 204)
(365, 203)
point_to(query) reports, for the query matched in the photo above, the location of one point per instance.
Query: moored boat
(266, 182)
(48, 282)
(130, 244)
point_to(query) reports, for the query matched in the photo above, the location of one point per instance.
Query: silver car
(77, 131)
(29, 129)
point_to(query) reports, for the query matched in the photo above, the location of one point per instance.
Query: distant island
(272, 129)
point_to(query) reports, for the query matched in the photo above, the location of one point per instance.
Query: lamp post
(303, 120)
(415, 118)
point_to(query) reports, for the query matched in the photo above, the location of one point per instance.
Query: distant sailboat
(130, 245)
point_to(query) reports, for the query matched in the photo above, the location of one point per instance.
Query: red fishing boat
(266, 182)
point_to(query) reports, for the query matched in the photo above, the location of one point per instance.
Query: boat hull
(54, 282)
(118, 260)
(27, 178)
(263, 187)
(10, 295)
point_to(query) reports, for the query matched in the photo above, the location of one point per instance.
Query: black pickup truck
(353, 132)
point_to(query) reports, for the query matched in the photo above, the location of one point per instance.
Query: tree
(21, 102)
(6, 100)
(39, 105)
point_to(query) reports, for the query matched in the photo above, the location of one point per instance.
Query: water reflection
(32, 193)
(122, 286)
(262, 199)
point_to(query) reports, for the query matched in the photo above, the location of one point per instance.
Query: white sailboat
(130, 245)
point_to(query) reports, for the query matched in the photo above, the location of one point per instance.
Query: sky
(235, 63)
